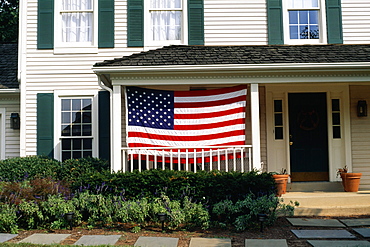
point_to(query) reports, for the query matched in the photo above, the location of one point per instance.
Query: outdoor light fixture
(262, 218)
(361, 108)
(14, 121)
(162, 218)
(69, 218)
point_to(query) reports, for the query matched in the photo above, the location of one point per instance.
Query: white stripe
(190, 153)
(209, 109)
(186, 144)
(210, 97)
(209, 120)
(185, 132)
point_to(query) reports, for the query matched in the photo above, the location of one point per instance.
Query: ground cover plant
(39, 191)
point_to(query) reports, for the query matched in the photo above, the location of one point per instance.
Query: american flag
(185, 119)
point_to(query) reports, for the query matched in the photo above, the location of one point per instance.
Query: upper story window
(304, 22)
(74, 26)
(166, 19)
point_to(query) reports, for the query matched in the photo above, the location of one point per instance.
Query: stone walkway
(326, 238)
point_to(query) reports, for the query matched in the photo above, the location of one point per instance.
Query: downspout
(103, 86)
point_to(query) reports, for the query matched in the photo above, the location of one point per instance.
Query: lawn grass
(50, 245)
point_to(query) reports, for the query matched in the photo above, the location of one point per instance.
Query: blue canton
(150, 108)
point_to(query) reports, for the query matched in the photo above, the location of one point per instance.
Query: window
(304, 22)
(278, 119)
(75, 26)
(166, 20)
(76, 128)
(335, 108)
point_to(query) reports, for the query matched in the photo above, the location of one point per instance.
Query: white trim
(255, 118)
(58, 95)
(10, 90)
(74, 47)
(148, 42)
(2, 133)
(322, 26)
(117, 161)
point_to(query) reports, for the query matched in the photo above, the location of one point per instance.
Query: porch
(327, 199)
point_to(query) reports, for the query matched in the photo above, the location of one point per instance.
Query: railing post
(255, 118)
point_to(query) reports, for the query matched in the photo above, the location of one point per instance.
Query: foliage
(9, 21)
(243, 213)
(8, 218)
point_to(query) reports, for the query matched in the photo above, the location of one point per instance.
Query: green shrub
(8, 218)
(243, 213)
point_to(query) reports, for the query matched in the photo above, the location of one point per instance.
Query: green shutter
(195, 22)
(45, 24)
(104, 125)
(106, 24)
(275, 22)
(135, 23)
(334, 21)
(45, 124)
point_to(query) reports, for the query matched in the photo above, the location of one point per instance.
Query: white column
(116, 130)
(255, 119)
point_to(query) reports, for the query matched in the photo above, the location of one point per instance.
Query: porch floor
(327, 199)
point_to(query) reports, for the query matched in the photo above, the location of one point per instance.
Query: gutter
(10, 90)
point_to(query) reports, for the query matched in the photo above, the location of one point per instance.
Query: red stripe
(187, 138)
(209, 103)
(210, 114)
(210, 125)
(209, 92)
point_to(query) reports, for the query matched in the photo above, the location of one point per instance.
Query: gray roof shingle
(267, 54)
(8, 66)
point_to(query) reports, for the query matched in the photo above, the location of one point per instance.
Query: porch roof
(262, 54)
(9, 66)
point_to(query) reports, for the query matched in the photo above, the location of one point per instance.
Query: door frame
(339, 150)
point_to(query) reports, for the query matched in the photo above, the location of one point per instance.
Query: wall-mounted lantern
(14, 121)
(361, 108)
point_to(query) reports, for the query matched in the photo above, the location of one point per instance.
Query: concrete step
(315, 186)
(330, 203)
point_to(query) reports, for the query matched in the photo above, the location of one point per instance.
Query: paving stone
(156, 242)
(365, 232)
(356, 222)
(323, 234)
(338, 243)
(5, 237)
(98, 240)
(39, 238)
(315, 222)
(210, 242)
(265, 243)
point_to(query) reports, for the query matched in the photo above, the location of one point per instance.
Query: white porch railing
(223, 158)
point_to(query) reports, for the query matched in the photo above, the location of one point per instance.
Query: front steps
(327, 199)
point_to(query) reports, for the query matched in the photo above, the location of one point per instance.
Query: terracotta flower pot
(351, 181)
(281, 181)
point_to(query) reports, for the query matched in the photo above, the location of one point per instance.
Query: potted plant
(281, 180)
(350, 180)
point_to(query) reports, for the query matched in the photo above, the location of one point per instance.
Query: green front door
(308, 132)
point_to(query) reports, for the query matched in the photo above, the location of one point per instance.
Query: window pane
(293, 32)
(86, 117)
(336, 132)
(76, 105)
(303, 17)
(66, 104)
(278, 105)
(303, 32)
(77, 27)
(293, 17)
(76, 117)
(66, 144)
(310, 4)
(77, 4)
(76, 144)
(166, 25)
(66, 155)
(278, 133)
(76, 130)
(76, 154)
(335, 105)
(278, 119)
(66, 130)
(86, 104)
(86, 130)
(66, 117)
(87, 143)
(313, 17)
(336, 118)
(87, 154)
(314, 32)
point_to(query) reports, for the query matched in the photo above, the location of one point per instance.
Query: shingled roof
(8, 66)
(268, 54)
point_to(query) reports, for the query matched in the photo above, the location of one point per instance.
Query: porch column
(116, 130)
(255, 119)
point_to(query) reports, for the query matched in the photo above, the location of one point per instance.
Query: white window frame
(148, 41)
(64, 94)
(322, 26)
(74, 47)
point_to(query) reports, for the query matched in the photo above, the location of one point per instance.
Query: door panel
(308, 137)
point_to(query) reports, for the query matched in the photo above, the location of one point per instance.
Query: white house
(305, 65)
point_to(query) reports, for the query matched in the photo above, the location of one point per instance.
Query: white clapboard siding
(235, 22)
(10, 103)
(356, 21)
(360, 131)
